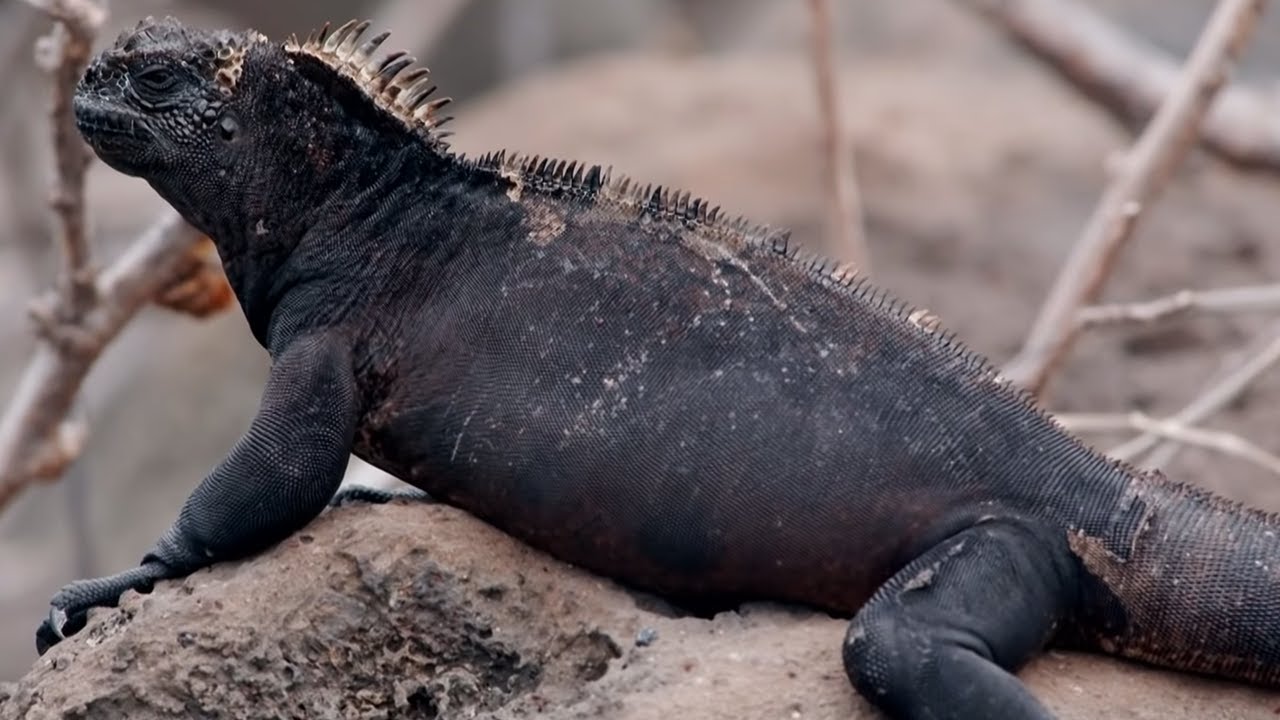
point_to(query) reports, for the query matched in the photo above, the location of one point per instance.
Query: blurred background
(977, 169)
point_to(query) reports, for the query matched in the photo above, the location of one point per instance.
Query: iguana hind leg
(277, 478)
(941, 638)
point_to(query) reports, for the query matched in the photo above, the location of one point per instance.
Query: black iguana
(621, 376)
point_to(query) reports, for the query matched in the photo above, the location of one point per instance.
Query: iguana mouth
(103, 122)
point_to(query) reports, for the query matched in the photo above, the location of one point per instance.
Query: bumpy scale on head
(159, 94)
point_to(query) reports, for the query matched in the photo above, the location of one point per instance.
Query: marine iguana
(625, 378)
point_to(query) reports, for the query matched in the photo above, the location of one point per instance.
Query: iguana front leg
(277, 478)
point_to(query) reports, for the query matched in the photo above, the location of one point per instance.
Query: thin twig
(65, 52)
(846, 233)
(1158, 151)
(1170, 429)
(1225, 389)
(1218, 395)
(1130, 77)
(37, 442)
(1248, 298)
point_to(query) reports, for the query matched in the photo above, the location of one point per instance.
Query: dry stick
(1224, 442)
(1158, 151)
(846, 231)
(65, 53)
(1248, 298)
(1129, 76)
(36, 440)
(1220, 393)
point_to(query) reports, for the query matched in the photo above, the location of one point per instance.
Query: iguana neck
(1194, 585)
(285, 229)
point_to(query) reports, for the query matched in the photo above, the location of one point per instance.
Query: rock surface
(417, 611)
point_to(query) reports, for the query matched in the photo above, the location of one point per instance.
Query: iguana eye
(157, 79)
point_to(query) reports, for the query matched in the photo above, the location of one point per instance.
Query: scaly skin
(622, 378)
(1196, 588)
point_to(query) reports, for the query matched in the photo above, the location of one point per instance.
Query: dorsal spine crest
(391, 82)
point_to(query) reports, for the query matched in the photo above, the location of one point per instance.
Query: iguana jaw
(120, 136)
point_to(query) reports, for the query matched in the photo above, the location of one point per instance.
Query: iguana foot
(942, 637)
(353, 494)
(69, 608)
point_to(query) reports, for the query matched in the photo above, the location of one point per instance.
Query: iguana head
(163, 100)
(265, 146)
(220, 121)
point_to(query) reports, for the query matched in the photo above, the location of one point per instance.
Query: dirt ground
(975, 183)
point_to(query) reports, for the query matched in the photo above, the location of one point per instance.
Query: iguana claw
(53, 630)
(69, 609)
(58, 620)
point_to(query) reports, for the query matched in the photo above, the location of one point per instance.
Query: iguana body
(627, 380)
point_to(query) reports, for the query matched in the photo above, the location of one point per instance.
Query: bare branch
(1131, 77)
(36, 440)
(1214, 398)
(846, 234)
(76, 323)
(1158, 151)
(1249, 298)
(1223, 442)
(65, 53)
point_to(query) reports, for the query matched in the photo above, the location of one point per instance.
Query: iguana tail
(1189, 581)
